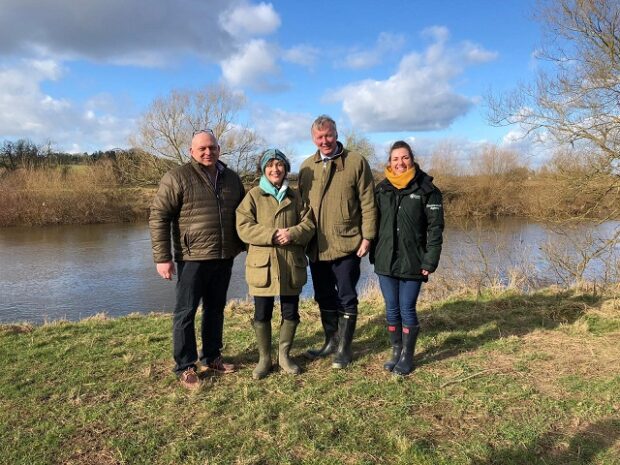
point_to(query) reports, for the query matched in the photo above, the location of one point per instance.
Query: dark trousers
(200, 280)
(334, 283)
(289, 305)
(401, 297)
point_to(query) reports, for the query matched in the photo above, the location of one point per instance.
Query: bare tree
(167, 126)
(583, 253)
(241, 149)
(576, 99)
(361, 144)
(444, 159)
(497, 162)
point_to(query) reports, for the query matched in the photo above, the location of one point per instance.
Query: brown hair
(401, 144)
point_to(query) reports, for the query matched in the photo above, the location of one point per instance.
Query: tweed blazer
(340, 192)
(272, 270)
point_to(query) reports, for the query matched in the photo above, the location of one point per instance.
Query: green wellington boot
(263, 340)
(287, 334)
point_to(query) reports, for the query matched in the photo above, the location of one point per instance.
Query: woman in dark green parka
(407, 249)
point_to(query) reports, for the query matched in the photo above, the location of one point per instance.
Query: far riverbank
(91, 194)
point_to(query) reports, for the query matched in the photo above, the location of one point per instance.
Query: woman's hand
(282, 237)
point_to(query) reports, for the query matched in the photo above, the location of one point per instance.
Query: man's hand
(166, 270)
(364, 248)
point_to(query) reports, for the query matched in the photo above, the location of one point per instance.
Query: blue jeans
(401, 296)
(200, 280)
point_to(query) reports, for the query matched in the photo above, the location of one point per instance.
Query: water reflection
(72, 272)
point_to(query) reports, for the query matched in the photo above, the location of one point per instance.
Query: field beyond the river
(502, 378)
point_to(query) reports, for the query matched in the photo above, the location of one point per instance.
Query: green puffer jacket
(272, 270)
(341, 195)
(410, 231)
(202, 220)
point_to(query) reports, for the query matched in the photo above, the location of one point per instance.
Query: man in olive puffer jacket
(194, 214)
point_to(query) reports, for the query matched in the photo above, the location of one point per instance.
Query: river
(76, 271)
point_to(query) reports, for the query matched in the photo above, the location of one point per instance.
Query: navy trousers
(205, 281)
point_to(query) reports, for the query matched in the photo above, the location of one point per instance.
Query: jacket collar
(220, 165)
(338, 158)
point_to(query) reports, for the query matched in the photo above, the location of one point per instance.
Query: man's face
(204, 149)
(325, 139)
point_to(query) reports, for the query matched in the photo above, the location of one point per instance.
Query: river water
(73, 272)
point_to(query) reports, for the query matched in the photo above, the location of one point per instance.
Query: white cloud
(420, 95)
(304, 55)
(386, 43)
(28, 112)
(282, 128)
(246, 20)
(252, 66)
(537, 148)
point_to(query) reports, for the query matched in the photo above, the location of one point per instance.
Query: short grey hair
(322, 121)
(209, 132)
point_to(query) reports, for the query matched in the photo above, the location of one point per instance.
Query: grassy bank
(502, 379)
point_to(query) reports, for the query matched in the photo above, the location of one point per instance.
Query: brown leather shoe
(189, 379)
(218, 365)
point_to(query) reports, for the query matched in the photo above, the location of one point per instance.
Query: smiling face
(400, 160)
(205, 149)
(325, 138)
(275, 172)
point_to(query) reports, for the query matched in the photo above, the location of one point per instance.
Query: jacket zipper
(219, 212)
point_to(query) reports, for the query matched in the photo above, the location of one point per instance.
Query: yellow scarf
(399, 181)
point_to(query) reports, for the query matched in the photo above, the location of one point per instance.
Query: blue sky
(80, 74)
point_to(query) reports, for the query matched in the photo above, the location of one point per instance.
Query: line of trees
(574, 101)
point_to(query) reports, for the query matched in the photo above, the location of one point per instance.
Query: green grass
(502, 379)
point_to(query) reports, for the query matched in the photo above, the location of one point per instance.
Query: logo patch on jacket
(414, 196)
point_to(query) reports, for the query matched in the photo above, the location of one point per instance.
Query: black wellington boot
(329, 319)
(396, 338)
(346, 327)
(405, 363)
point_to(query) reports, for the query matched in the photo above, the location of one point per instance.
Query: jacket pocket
(346, 230)
(186, 243)
(346, 237)
(257, 269)
(299, 274)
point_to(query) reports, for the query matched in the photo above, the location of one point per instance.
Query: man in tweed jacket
(338, 186)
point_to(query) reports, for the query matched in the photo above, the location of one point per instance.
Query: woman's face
(400, 160)
(275, 171)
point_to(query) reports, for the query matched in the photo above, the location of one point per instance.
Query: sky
(80, 74)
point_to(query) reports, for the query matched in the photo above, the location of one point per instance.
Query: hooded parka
(410, 228)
